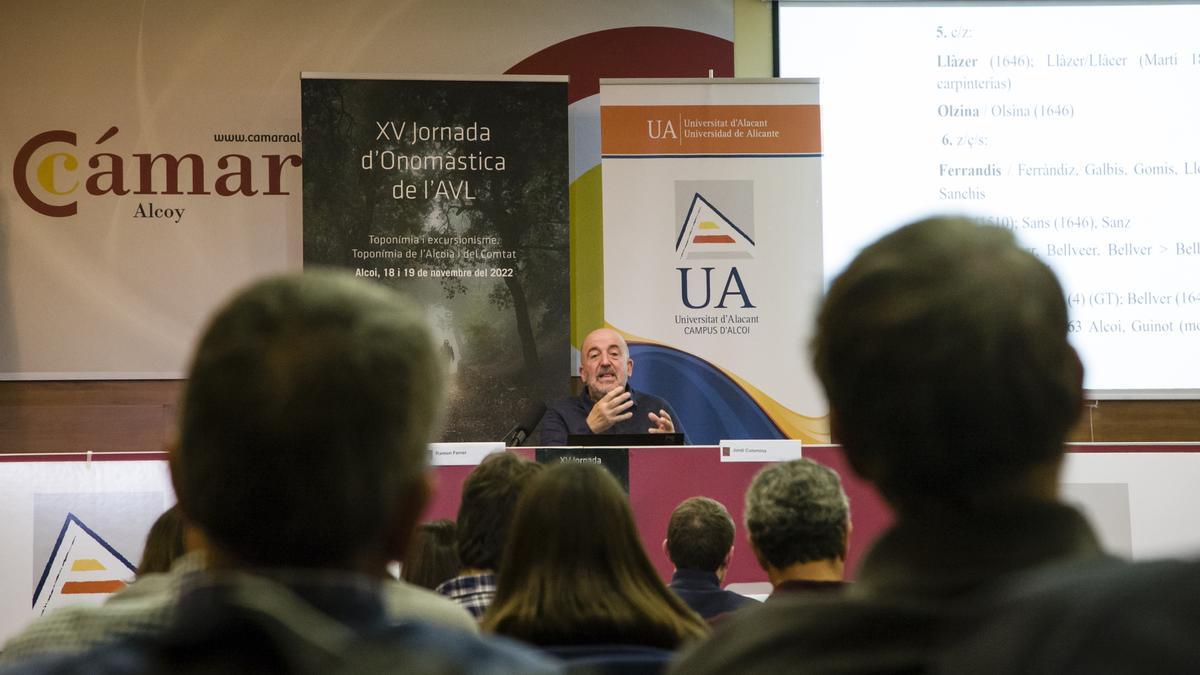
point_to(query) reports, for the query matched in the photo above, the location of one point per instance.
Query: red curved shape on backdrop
(638, 51)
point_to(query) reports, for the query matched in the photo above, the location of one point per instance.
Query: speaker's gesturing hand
(662, 423)
(613, 407)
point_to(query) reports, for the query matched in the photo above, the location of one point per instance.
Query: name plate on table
(761, 451)
(461, 454)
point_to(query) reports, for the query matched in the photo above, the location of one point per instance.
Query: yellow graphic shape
(708, 225)
(45, 172)
(587, 255)
(812, 430)
(87, 565)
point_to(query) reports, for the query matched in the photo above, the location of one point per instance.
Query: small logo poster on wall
(82, 566)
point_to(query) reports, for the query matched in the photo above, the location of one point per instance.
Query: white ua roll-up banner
(712, 249)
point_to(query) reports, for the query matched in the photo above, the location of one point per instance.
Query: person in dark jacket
(699, 544)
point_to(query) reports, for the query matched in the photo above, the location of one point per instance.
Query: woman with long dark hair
(574, 571)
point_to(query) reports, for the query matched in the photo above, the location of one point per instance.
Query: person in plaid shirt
(489, 497)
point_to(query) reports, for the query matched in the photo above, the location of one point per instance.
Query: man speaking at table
(606, 405)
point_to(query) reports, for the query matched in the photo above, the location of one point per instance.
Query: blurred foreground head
(304, 423)
(943, 351)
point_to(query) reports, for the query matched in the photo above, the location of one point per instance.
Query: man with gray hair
(798, 522)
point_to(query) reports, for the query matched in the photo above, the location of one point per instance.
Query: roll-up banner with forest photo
(453, 191)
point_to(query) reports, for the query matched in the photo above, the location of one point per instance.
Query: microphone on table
(520, 433)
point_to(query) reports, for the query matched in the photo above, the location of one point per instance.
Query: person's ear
(762, 561)
(846, 539)
(835, 428)
(1075, 373)
(408, 510)
(174, 461)
(864, 465)
(193, 538)
(723, 568)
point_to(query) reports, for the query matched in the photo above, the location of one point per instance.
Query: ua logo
(660, 129)
(733, 286)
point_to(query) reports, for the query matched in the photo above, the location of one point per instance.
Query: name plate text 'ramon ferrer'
(461, 454)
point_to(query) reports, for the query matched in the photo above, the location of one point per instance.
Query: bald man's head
(604, 362)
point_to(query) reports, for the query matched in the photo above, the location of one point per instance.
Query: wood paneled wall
(101, 416)
(139, 415)
(1133, 421)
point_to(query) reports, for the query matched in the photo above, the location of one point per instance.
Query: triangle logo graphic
(707, 234)
(82, 569)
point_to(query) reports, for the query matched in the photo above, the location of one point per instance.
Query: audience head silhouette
(699, 544)
(432, 556)
(952, 386)
(302, 453)
(305, 419)
(943, 351)
(700, 535)
(489, 497)
(574, 570)
(165, 543)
